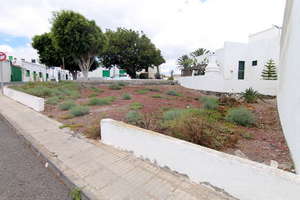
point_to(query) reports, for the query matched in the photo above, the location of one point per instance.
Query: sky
(176, 27)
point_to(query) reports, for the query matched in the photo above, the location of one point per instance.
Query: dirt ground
(267, 142)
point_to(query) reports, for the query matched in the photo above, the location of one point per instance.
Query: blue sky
(14, 41)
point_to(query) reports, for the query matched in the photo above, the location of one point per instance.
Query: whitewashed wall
(244, 179)
(5, 69)
(289, 92)
(33, 102)
(266, 87)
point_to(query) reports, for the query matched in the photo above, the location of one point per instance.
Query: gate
(16, 73)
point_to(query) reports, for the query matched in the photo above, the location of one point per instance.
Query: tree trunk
(85, 74)
(74, 74)
(158, 72)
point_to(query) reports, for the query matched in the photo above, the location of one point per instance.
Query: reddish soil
(267, 141)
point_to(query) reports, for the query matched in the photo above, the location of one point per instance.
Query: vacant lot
(223, 123)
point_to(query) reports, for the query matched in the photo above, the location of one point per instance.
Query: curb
(50, 162)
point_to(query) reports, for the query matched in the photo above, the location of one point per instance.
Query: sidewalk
(101, 171)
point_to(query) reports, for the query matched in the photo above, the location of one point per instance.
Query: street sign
(2, 56)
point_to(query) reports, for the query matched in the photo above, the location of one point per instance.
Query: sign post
(2, 59)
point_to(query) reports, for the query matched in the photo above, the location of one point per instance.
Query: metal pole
(1, 72)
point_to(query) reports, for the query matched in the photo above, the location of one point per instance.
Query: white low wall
(244, 179)
(33, 102)
(266, 87)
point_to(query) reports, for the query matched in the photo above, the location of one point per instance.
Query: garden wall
(244, 179)
(33, 102)
(266, 87)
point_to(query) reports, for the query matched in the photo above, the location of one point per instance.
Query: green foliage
(173, 93)
(131, 50)
(156, 96)
(78, 37)
(101, 101)
(75, 194)
(93, 95)
(269, 73)
(136, 106)
(185, 62)
(79, 111)
(53, 100)
(172, 114)
(250, 95)
(143, 91)
(67, 105)
(133, 117)
(154, 89)
(96, 90)
(247, 135)
(171, 78)
(122, 84)
(126, 96)
(240, 116)
(115, 87)
(210, 103)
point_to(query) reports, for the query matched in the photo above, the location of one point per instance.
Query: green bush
(133, 117)
(240, 116)
(67, 105)
(250, 95)
(156, 96)
(79, 111)
(172, 114)
(173, 93)
(126, 96)
(115, 87)
(100, 101)
(154, 90)
(142, 91)
(136, 106)
(96, 90)
(40, 91)
(53, 100)
(93, 95)
(210, 103)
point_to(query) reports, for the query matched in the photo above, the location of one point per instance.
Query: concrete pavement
(101, 171)
(22, 175)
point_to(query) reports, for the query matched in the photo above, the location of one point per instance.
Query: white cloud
(26, 52)
(175, 26)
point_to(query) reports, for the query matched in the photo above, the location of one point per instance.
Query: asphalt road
(22, 175)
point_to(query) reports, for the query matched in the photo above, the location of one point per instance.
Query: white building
(32, 71)
(247, 60)
(101, 72)
(58, 74)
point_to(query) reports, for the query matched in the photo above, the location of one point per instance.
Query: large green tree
(77, 37)
(130, 50)
(52, 56)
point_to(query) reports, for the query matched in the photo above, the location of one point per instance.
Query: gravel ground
(22, 175)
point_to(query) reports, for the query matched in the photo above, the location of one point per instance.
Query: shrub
(93, 131)
(240, 116)
(99, 101)
(210, 103)
(67, 105)
(136, 106)
(142, 91)
(40, 91)
(79, 111)
(53, 100)
(154, 90)
(228, 100)
(171, 79)
(126, 96)
(115, 87)
(250, 95)
(173, 93)
(156, 96)
(93, 95)
(133, 117)
(96, 90)
(172, 114)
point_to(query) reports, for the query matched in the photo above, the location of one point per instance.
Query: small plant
(99, 102)
(142, 91)
(240, 116)
(172, 114)
(126, 96)
(227, 100)
(53, 100)
(154, 90)
(96, 90)
(156, 96)
(250, 95)
(75, 194)
(71, 126)
(173, 93)
(67, 105)
(133, 117)
(79, 111)
(115, 87)
(136, 106)
(210, 103)
(93, 95)
(269, 73)
(247, 135)
(93, 131)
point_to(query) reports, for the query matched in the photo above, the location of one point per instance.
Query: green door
(16, 73)
(122, 72)
(105, 73)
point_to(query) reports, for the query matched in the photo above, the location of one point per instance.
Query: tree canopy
(78, 37)
(130, 50)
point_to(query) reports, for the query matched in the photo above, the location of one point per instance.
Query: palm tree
(184, 62)
(200, 52)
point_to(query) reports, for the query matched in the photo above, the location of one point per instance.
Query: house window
(241, 73)
(40, 74)
(27, 73)
(47, 76)
(254, 63)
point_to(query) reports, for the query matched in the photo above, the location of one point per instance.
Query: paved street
(22, 175)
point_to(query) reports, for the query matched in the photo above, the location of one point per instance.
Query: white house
(105, 73)
(238, 66)
(32, 71)
(57, 74)
(247, 60)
